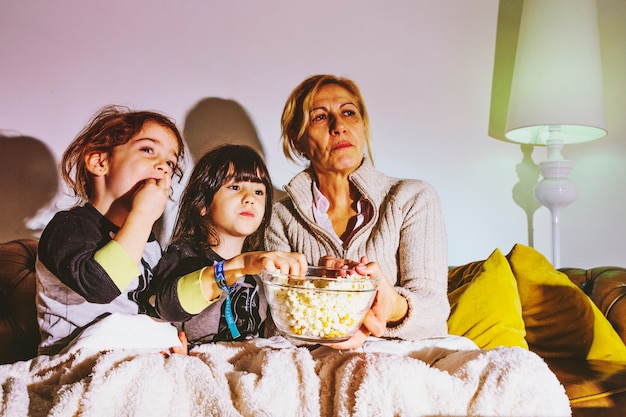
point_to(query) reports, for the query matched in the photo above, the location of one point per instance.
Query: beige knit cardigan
(406, 236)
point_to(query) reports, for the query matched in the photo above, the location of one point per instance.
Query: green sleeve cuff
(190, 295)
(116, 262)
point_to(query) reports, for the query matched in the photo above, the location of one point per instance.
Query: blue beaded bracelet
(220, 279)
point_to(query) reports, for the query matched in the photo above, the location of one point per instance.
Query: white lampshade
(557, 80)
(557, 93)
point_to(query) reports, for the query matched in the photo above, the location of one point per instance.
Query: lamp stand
(555, 190)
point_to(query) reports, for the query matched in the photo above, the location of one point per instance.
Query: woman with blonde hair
(341, 207)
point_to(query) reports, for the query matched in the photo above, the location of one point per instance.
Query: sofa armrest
(606, 286)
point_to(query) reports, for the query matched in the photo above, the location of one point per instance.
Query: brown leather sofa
(595, 388)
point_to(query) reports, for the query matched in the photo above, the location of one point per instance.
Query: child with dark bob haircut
(206, 280)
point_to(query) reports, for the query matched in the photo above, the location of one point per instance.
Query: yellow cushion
(561, 320)
(485, 305)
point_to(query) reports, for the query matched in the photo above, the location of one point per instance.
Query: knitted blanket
(273, 377)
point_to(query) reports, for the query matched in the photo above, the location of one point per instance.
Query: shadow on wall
(28, 181)
(214, 121)
(211, 122)
(509, 17)
(523, 191)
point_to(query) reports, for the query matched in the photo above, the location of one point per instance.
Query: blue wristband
(220, 279)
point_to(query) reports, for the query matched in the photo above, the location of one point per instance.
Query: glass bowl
(324, 306)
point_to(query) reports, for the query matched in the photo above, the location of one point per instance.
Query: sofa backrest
(606, 286)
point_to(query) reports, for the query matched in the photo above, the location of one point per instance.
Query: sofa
(595, 387)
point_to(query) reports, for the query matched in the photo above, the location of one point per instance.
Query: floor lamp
(556, 93)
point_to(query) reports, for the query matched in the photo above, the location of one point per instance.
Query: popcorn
(320, 310)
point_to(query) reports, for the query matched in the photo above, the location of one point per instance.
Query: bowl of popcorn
(324, 306)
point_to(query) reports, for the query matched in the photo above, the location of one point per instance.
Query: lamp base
(556, 191)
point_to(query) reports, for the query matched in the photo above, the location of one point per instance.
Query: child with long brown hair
(97, 258)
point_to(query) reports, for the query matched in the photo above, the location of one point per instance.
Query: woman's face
(335, 138)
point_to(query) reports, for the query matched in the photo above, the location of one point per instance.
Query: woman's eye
(349, 112)
(147, 149)
(318, 117)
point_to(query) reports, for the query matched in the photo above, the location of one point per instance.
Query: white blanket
(272, 377)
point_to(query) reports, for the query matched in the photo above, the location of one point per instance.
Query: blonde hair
(295, 118)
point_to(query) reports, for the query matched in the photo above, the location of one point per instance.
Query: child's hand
(151, 195)
(285, 262)
(179, 350)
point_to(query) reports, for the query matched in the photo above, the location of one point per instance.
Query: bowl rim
(314, 267)
(299, 280)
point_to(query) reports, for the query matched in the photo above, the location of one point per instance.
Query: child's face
(238, 208)
(152, 153)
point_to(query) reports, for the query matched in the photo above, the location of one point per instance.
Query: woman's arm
(422, 266)
(408, 248)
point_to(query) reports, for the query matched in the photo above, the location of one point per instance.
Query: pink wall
(425, 68)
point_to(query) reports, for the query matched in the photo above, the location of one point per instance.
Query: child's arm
(179, 296)
(148, 205)
(121, 257)
(68, 248)
(71, 246)
(252, 263)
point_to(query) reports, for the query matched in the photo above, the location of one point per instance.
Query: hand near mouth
(150, 196)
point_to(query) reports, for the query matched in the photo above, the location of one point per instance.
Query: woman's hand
(388, 307)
